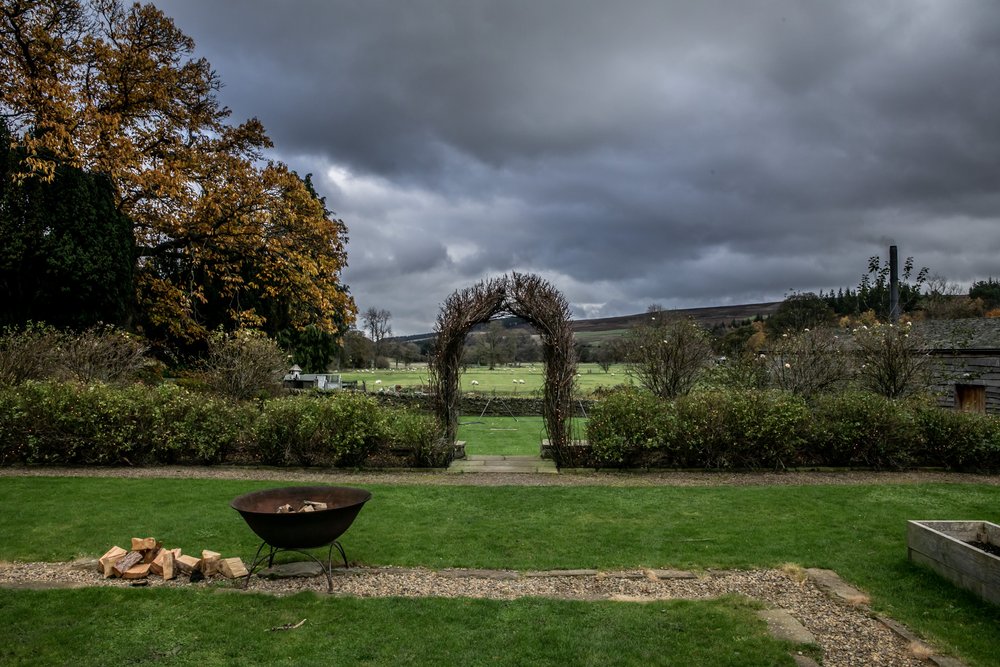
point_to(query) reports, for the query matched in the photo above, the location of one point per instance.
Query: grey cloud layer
(685, 153)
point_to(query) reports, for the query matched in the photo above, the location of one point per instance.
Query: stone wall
(475, 404)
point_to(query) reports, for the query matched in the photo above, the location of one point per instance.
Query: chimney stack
(893, 285)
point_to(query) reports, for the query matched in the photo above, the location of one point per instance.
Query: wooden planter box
(943, 546)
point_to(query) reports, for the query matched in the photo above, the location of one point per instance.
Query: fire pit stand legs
(259, 559)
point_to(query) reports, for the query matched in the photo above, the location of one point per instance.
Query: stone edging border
(831, 583)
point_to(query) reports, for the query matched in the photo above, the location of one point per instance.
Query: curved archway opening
(539, 303)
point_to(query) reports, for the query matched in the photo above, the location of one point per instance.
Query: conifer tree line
(129, 197)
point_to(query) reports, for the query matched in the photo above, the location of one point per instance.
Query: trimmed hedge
(751, 429)
(52, 423)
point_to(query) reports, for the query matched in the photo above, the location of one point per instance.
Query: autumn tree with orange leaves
(223, 237)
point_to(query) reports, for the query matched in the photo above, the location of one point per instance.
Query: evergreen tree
(67, 254)
(988, 291)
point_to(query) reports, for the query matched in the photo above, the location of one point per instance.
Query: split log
(233, 568)
(313, 504)
(125, 562)
(210, 562)
(186, 564)
(307, 508)
(106, 563)
(143, 543)
(163, 565)
(285, 509)
(139, 571)
(149, 555)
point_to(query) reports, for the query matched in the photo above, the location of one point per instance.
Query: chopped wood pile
(307, 506)
(147, 556)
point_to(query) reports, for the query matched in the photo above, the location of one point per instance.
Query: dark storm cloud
(677, 152)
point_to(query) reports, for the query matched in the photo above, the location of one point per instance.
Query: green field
(502, 380)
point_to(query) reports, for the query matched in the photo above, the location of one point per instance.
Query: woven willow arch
(539, 303)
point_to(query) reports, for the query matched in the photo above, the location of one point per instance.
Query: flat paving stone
(831, 582)
(785, 627)
(673, 574)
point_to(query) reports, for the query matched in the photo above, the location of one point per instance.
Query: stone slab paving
(783, 626)
(503, 464)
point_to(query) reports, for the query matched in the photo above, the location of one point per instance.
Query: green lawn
(859, 531)
(508, 436)
(177, 627)
(500, 380)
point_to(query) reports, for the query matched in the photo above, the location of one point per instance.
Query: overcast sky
(685, 153)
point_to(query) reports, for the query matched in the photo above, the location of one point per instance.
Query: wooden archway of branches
(544, 307)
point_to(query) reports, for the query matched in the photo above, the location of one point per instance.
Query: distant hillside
(707, 317)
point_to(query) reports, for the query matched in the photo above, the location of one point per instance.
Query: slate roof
(980, 333)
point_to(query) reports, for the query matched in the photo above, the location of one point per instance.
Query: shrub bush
(712, 429)
(419, 436)
(102, 354)
(65, 423)
(310, 429)
(667, 354)
(808, 362)
(284, 429)
(28, 354)
(989, 457)
(892, 360)
(244, 364)
(958, 439)
(627, 423)
(857, 428)
(359, 425)
(200, 429)
(742, 428)
(53, 423)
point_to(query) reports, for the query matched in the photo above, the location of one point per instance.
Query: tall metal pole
(893, 285)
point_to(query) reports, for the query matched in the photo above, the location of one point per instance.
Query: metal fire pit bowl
(296, 531)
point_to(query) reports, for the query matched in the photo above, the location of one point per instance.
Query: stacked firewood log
(148, 557)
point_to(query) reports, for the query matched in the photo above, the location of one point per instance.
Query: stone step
(502, 464)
